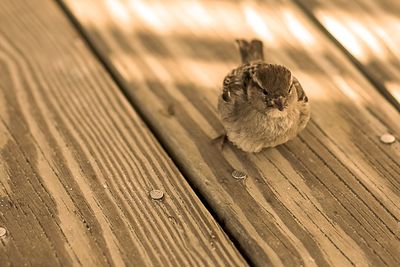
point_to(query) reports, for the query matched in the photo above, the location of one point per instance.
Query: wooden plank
(77, 163)
(328, 198)
(369, 31)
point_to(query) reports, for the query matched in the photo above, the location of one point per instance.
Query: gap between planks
(120, 82)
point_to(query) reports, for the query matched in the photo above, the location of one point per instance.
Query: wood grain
(369, 31)
(77, 163)
(328, 198)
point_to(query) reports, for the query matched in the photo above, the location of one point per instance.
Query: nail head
(239, 175)
(387, 138)
(156, 194)
(3, 231)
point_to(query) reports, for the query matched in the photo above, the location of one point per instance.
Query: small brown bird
(262, 105)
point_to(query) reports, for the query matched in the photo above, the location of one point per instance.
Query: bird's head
(269, 87)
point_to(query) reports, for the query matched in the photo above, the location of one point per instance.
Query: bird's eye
(265, 92)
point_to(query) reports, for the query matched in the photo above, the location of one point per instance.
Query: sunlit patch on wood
(342, 33)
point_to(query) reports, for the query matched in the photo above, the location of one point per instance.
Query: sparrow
(261, 105)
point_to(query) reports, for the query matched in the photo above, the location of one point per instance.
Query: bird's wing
(300, 92)
(233, 84)
(237, 80)
(227, 86)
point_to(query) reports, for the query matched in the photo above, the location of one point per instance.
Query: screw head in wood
(387, 139)
(156, 194)
(239, 175)
(3, 231)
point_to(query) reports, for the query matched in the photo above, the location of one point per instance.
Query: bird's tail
(250, 51)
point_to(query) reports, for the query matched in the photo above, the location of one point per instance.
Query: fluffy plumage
(261, 105)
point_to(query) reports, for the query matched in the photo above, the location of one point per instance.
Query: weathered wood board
(77, 163)
(328, 198)
(369, 31)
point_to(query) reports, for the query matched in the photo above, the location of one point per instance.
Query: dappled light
(364, 33)
(394, 89)
(346, 89)
(362, 37)
(198, 39)
(119, 11)
(298, 29)
(152, 16)
(177, 27)
(343, 34)
(256, 23)
(369, 31)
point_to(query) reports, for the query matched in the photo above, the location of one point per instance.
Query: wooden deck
(368, 31)
(103, 101)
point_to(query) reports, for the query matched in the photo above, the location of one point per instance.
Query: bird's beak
(280, 103)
